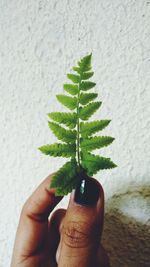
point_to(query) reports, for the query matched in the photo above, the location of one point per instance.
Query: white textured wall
(39, 42)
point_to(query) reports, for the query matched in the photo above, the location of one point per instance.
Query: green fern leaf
(68, 101)
(74, 78)
(86, 112)
(95, 142)
(65, 179)
(77, 69)
(87, 97)
(68, 136)
(77, 143)
(86, 75)
(89, 128)
(71, 89)
(67, 118)
(84, 86)
(59, 150)
(93, 163)
(85, 63)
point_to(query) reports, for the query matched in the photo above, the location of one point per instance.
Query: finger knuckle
(29, 209)
(79, 234)
(25, 208)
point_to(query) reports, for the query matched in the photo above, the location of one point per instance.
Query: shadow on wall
(127, 228)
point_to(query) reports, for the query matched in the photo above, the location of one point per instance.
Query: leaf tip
(41, 149)
(57, 96)
(114, 165)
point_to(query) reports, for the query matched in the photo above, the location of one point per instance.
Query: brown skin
(69, 238)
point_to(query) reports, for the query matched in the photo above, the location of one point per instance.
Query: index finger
(32, 231)
(41, 202)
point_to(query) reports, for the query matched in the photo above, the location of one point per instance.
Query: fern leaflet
(59, 150)
(85, 98)
(95, 142)
(67, 101)
(89, 128)
(68, 136)
(72, 89)
(67, 118)
(65, 179)
(85, 63)
(87, 75)
(94, 163)
(86, 86)
(74, 78)
(86, 112)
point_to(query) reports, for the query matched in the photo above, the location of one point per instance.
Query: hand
(70, 238)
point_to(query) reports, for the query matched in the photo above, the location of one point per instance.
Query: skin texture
(60, 238)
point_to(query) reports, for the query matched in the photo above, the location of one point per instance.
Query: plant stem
(78, 128)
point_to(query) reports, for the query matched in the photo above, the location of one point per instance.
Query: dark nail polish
(87, 192)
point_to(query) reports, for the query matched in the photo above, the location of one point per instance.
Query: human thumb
(82, 225)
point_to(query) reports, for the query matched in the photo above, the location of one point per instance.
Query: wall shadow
(125, 237)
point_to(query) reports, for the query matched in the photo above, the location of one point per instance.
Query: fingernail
(87, 192)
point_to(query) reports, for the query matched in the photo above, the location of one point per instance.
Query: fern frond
(86, 112)
(85, 98)
(85, 63)
(68, 136)
(93, 163)
(72, 89)
(67, 118)
(84, 86)
(96, 142)
(68, 101)
(77, 143)
(74, 78)
(59, 150)
(86, 75)
(64, 180)
(89, 128)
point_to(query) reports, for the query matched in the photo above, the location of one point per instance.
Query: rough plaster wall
(39, 42)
